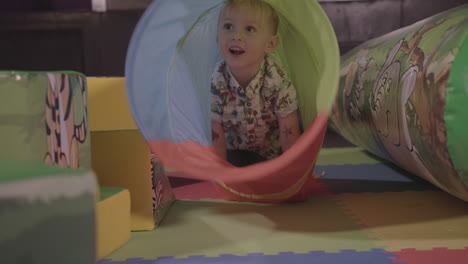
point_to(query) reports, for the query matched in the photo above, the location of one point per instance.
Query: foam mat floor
(363, 210)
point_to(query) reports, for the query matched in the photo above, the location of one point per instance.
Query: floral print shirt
(250, 116)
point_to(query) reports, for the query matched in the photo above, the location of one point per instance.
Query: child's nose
(238, 35)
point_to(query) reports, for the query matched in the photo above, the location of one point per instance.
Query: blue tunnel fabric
(169, 105)
(173, 52)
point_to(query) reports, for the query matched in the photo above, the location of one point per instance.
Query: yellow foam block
(119, 153)
(122, 158)
(112, 220)
(108, 105)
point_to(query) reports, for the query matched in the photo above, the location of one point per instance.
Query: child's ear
(272, 44)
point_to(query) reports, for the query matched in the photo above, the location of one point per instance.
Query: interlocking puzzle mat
(363, 210)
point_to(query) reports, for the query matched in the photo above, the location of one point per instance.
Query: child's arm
(219, 141)
(289, 130)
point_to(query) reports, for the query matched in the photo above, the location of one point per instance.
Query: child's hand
(218, 139)
(289, 130)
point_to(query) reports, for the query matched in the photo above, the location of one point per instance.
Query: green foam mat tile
(352, 155)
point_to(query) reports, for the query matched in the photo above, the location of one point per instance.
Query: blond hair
(257, 5)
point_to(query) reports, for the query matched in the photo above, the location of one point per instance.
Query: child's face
(244, 37)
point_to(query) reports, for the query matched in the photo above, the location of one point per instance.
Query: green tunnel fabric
(456, 116)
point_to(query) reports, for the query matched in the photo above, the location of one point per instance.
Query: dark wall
(44, 5)
(88, 42)
(358, 21)
(96, 43)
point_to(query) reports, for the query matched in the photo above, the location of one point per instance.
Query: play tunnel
(170, 60)
(403, 97)
(400, 96)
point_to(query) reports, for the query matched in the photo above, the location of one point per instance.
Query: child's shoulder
(274, 70)
(220, 67)
(219, 71)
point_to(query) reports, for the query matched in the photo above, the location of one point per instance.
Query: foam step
(113, 219)
(163, 194)
(47, 214)
(121, 156)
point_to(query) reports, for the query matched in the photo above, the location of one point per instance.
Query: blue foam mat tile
(317, 253)
(256, 254)
(130, 260)
(375, 256)
(370, 178)
(286, 253)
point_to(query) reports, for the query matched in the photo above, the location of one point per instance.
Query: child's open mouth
(236, 50)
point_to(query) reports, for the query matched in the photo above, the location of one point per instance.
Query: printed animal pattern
(63, 132)
(154, 163)
(393, 105)
(162, 194)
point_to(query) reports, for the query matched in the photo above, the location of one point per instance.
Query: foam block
(47, 214)
(43, 117)
(120, 155)
(163, 194)
(113, 219)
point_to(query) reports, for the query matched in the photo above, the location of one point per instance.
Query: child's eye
(250, 29)
(227, 26)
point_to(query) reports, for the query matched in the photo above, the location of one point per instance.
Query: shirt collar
(252, 88)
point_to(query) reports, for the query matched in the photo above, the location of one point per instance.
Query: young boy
(254, 106)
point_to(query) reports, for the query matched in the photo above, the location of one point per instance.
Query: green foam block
(43, 116)
(46, 214)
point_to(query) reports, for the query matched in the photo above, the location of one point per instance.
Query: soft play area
(122, 170)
